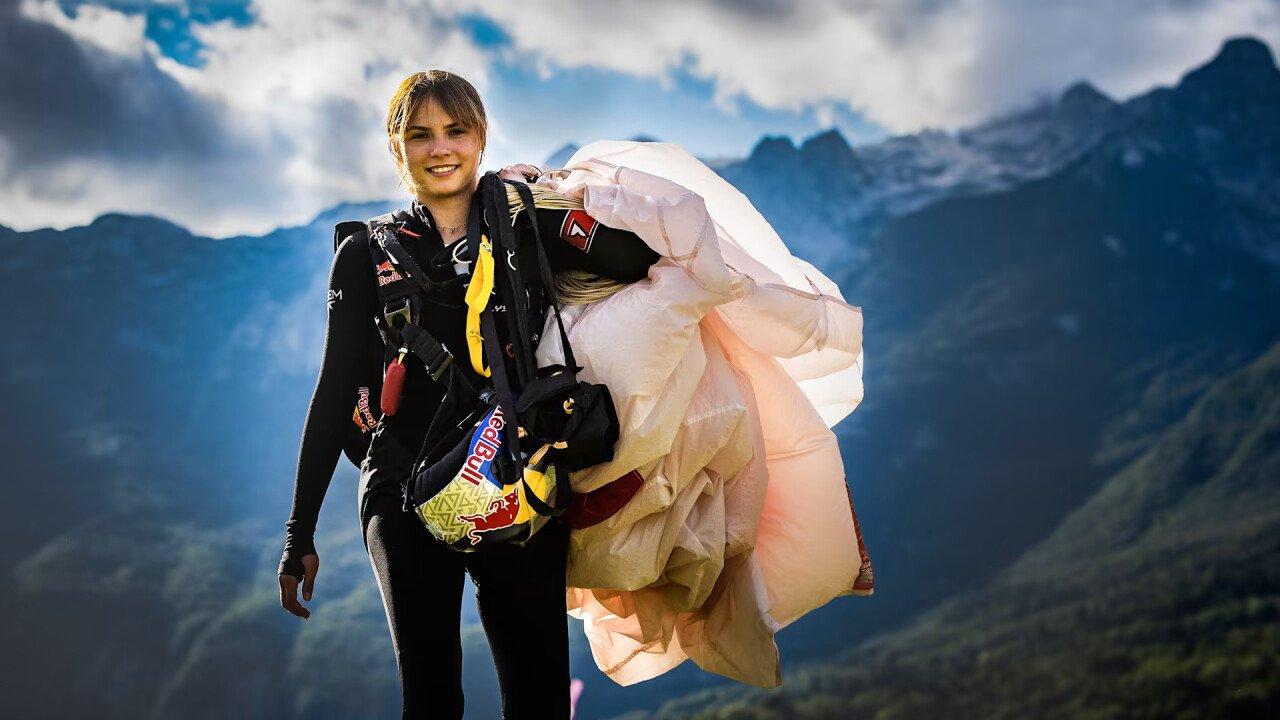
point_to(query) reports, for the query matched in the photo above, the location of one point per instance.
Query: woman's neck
(449, 212)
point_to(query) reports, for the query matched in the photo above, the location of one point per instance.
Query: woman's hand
(289, 586)
(520, 173)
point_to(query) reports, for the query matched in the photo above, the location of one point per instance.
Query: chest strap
(402, 287)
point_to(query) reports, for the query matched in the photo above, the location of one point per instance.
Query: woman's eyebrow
(424, 127)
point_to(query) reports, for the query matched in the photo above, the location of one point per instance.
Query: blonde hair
(457, 97)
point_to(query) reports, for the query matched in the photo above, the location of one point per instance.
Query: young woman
(436, 128)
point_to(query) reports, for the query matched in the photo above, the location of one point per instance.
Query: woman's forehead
(429, 113)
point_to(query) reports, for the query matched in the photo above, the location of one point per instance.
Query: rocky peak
(1084, 98)
(829, 151)
(773, 149)
(1243, 69)
(828, 145)
(1245, 55)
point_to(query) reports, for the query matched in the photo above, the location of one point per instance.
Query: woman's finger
(289, 597)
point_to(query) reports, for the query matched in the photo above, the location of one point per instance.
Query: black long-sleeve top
(345, 404)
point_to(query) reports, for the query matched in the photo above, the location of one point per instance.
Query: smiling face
(442, 156)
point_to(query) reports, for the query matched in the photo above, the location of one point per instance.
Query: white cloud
(310, 81)
(296, 102)
(284, 117)
(93, 25)
(905, 65)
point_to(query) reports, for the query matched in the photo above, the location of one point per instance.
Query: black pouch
(577, 418)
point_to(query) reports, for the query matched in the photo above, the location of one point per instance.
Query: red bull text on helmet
(485, 442)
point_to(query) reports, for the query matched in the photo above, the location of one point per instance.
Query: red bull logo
(363, 415)
(387, 273)
(485, 442)
(501, 513)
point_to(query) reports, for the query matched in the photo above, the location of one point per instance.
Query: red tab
(578, 229)
(392, 385)
(587, 509)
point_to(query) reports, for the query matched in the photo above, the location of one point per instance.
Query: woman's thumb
(310, 566)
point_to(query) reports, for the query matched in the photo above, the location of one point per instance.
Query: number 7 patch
(578, 229)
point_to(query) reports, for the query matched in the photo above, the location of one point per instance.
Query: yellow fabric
(541, 485)
(478, 292)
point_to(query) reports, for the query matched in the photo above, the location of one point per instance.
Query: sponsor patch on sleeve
(363, 415)
(578, 229)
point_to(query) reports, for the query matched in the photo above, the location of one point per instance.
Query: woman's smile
(442, 170)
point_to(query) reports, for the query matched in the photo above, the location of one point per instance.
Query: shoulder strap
(548, 281)
(396, 296)
(384, 230)
(492, 219)
(344, 230)
(400, 285)
(505, 251)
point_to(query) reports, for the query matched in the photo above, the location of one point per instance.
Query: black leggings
(521, 596)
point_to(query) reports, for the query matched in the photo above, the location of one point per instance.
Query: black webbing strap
(513, 460)
(548, 281)
(564, 489)
(398, 323)
(489, 336)
(385, 236)
(397, 299)
(503, 237)
(434, 355)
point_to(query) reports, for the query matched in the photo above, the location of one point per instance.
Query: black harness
(523, 292)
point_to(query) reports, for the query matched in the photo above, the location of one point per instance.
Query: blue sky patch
(484, 32)
(584, 104)
(169, 25)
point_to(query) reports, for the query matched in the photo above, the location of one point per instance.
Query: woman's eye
(456, 131)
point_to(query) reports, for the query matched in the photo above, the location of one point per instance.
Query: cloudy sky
(230, 117)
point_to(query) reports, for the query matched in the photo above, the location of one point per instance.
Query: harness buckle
(440, 363)
(404, 313)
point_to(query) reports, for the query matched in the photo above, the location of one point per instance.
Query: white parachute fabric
(728, 366)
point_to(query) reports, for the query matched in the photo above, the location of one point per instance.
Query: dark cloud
(58, 101)
(759, 9)
(264, 129)
(899, 22)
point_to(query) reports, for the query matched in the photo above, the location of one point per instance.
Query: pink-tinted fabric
(728, 365)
